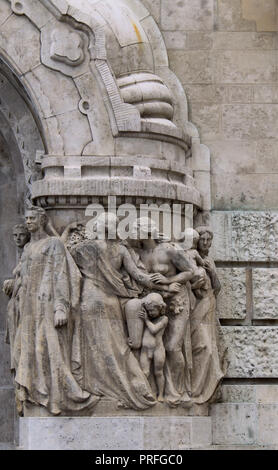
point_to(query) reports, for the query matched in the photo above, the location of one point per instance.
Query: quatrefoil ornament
(67, 47)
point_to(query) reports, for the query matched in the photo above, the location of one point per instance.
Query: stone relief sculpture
(208, 365)
(12, 288)
(133, 322)
(43, 355)
(152, 342)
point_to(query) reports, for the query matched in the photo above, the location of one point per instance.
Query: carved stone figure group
(130, 321)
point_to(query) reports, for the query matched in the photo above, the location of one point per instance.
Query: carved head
(21, 235)
(205, 240)
(155, 305)
(35, 218)
(104, 227)
(190, 238)
(144, 228)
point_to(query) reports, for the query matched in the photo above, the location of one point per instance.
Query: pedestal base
(115, 433)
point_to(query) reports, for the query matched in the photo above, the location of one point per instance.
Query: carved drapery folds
(90, 318)
(132, 324)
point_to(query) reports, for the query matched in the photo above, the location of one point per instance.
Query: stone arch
(21, 132)
(87, 108)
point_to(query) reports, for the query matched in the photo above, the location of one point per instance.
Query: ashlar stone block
(250, 121)
(230, 18)
(268, 424)
(245, 236)
(128, 433)
(196, 15)
(192, 67)
(252, 351)
(265, 293)
(248, 67)
(234, 423)
(238, 394)
(263, 13)
(231, 302)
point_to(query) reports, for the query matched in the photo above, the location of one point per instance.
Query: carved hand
(208, 265)
(175, 287)
(143, 314)
(199, 283)
(158, 278)
(60, 318)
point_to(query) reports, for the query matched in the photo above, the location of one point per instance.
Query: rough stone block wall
(225, 54)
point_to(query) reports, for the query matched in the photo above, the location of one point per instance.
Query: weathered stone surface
(238, 394)
(230, 18)
(153, 6)
(231, 302)
(58, 92)
(5, 12)
(258, 121)
(3, 303)
(245, 236)
(201, 431)
(268, 424)
(252, 351)
(240, 94)
(212, 94)
(70, 124)
(158, 432)
(264, 14)
(5, 373)
(175, 39)
(192, 67)
(229, 71)
(158, 46)
(207, 118)
(234, 423)
(248, 67)
(182, 15)
(7, 415)
(267, 394)
(198, 40)
(267, 155)
(265, 94)
(245, 191)
(243, 41)
(15, 34)
(114, 433)
(265, 282)
(259, 394)
(232, 157)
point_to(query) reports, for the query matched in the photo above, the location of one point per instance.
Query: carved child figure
(152, 313)
(197, 264)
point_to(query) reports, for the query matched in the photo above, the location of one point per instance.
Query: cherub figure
(197, 264)
(152, 349)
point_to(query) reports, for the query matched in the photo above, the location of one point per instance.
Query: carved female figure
(112, 369)
(12, 287)
(208, 359)
(43, 352)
